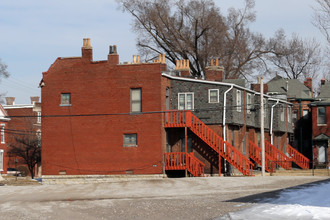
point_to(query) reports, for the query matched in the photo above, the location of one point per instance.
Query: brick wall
(79, 145)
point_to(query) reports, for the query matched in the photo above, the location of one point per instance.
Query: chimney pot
(322, 81)
(10, 100)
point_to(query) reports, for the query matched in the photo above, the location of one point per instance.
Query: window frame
(2, 134)
(135, 144)
(217, 95)
(185, 100)
(282, 113)
(238, 100)
(63, 99)
(325, 116)
(38, 117)
(248, 103)
(1, 159)
(138, 101)
(289, 119)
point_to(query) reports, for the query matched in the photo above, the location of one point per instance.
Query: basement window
(65, 99)
(130, 140)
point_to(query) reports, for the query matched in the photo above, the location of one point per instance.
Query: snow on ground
(312, 202)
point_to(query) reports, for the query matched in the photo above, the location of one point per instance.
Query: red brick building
(106, 116)
(321, 126)
(25, 120)
(3, 140)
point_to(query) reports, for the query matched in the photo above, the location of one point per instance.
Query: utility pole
(262, 126)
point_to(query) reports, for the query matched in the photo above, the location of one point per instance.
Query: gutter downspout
(224, 121)
(271, 122)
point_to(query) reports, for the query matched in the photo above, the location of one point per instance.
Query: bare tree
(196, 30)
(26, 146)
(294, 58)
(3, 70)
(322, 17)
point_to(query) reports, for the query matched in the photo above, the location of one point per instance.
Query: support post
(262, 126)
(186, 149)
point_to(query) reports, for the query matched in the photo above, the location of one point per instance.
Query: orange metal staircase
(223, 148)
(279, 157)
(255, 154)
(182, 161)
(298, 158)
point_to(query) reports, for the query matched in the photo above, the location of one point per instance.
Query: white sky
(34, 33)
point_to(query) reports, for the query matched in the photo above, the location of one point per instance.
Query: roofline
(224, 84)
(18, 106)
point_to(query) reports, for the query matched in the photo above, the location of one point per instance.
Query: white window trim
(39, 117)
(1, 159)
(289, 114)
(130, 145)
(217, 90)
(248, 105)
(239, 100)
(135, 101)
(185, 100)
(2, 127)
(265, 107)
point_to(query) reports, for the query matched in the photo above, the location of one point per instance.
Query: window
(239, 100)
(130, 140)
(305, 113)
(248, 103)
(213, 95)
(282, 112)
(136, 99)
(289, 114)
(39, 117)
(265, 107)
(1, 160)
(321, 117)
(294, 116)
(2, 133)
(186, 101)
(65, 99)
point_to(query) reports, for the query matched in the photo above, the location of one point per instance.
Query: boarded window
(130, 140)
(66, 99)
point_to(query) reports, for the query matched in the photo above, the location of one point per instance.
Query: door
(322, 153)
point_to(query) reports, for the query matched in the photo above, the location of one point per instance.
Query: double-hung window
(321, 116)
(282, 112)
(186, 101)
(289, 114)
(248, 103)
(213, 95)
(239, 100)
(2, 133)
(136, 100)
(38, 117)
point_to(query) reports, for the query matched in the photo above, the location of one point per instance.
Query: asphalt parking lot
(182, 198)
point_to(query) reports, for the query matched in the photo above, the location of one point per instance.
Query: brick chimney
(322, 81)
(183, 67)
(113, 57)
(10, 100)
(34, 99)
(87, 50)
(309, 83)
(214, 72)
(256, 87)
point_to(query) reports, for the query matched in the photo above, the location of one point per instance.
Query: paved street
(184, 198)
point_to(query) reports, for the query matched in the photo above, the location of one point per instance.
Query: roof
(324, 96)
(239, 82)
(293, 88)
(224, 84)
(321, 137)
